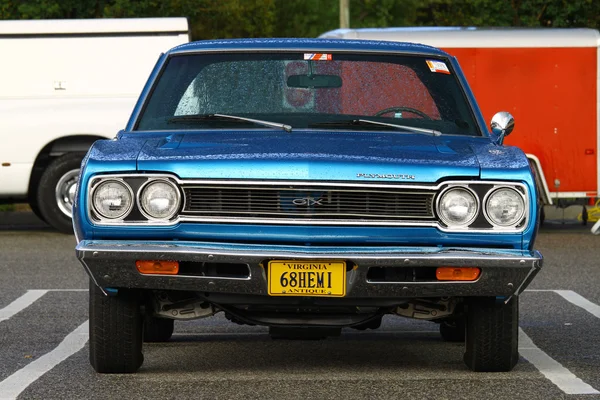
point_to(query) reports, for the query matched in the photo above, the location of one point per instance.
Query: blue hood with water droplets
(312, 155)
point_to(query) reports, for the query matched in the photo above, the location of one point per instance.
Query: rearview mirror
(502, 125)
(314, 81)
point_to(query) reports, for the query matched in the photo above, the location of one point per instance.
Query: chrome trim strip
(92, 277)
(183, 183)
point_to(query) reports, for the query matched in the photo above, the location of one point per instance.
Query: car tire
(453, 330)
(115, 331)
(158, 329)
(58, 181)
(492, 334)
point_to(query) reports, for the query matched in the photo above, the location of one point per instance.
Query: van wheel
(492, 334)
(56, 191)
(115, 331)
(32, 200)
(158, 329)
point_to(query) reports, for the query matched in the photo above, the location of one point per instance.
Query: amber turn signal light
(157, 267)
(457, 273)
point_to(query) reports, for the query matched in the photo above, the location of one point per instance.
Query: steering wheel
(407, 109)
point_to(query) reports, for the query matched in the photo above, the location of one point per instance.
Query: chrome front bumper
(504, 272)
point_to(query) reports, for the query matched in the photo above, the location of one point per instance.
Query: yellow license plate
(307, 278)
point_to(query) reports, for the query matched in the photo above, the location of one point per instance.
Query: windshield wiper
(204, 117)
(369, 122)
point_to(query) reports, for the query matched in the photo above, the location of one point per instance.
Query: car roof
(308, 45)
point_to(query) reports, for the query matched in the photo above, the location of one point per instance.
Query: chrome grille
(308, 202)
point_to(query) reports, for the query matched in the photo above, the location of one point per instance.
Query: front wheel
(56, 191)
(115, 331)
(492, 336)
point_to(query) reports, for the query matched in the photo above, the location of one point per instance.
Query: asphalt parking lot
(44, 352)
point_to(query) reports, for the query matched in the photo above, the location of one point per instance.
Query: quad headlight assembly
(456, 206)
(487, 206)
(133, 199)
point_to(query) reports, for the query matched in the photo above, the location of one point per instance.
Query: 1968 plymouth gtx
(308, 186)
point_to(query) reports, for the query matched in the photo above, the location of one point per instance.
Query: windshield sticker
(438, 66)
(317, 56)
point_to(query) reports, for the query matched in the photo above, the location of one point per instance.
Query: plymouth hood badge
(386, 176)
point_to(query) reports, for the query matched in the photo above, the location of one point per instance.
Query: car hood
(312, 155)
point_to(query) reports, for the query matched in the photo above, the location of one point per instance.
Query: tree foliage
(309, 18)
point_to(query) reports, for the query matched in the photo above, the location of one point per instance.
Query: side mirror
(502, 125)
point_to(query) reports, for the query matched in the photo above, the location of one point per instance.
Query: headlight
(457, 207)
(159, 199)
(112, 199)
(505, 207)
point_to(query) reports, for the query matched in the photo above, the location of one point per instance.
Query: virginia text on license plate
(307, 278)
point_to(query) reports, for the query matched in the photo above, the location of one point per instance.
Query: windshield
(330, 92)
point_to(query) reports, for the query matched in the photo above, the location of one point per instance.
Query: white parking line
(580, 301)
(552, 369)
(21, 303)
(11, 387)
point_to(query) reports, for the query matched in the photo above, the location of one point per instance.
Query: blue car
(307, 185)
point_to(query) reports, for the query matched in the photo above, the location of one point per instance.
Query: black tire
(453, 330)
(158, 329)
(492, 335)
(46, 203)
(115, 331)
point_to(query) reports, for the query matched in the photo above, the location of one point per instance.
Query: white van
(63, 85)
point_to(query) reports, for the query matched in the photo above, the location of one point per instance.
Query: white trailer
(63, 85)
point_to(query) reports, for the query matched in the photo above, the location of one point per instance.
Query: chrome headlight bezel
(103, 217)
(451, 224)
(517, 220)
(140, 193)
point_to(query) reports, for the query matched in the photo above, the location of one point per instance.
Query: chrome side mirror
(502, 125)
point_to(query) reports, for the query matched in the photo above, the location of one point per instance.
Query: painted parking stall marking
(20, 304)
(30, 297)
(550, 368)
(574, 298)
(580, 301)
(14, 385)
(564, 379)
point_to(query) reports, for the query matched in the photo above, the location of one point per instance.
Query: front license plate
(307, 278)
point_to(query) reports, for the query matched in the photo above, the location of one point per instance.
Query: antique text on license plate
(307, 278)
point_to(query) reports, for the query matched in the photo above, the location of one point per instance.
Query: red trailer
(547, 78)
